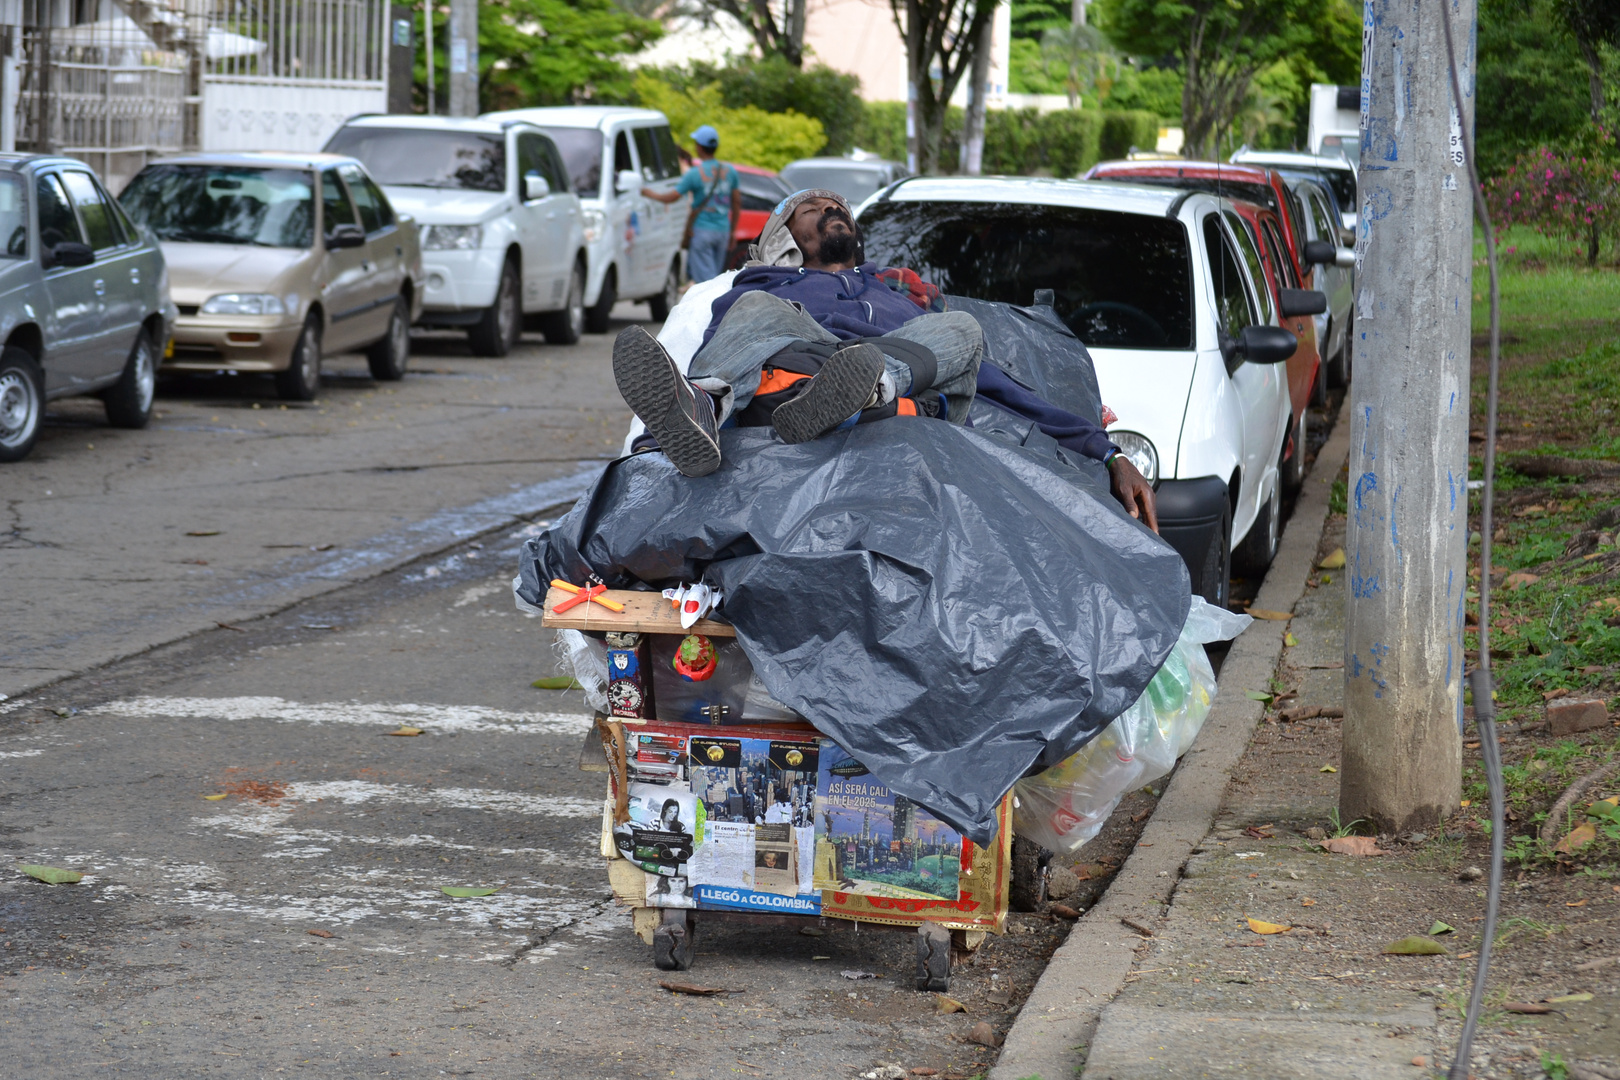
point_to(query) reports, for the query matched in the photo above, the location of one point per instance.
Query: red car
(1274, 218)
(761, 191)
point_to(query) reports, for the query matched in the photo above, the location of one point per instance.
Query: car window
(57, 223)
(1280, 258)
(370, 218)
(424, 157)
(581, 151)
(1343, 182)
(100, 226)
(385, 209)
(1321, 218)
(556, 168)
(13, 218)
(1251, 258)
(1118, 280)
(648, 152)
(761, 193)
(1296, 212)
(531, 161)
(224, 204)
(621, 154)
(669, 158)
(1233, 308)
(335, 204)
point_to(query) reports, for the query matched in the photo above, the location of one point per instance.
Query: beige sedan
(276, 260)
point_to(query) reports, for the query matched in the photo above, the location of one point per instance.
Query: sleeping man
(810, 340)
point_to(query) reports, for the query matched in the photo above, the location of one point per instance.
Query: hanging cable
(1480, 679)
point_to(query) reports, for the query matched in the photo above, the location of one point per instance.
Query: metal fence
(325, 40)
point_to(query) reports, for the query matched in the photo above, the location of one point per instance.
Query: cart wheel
(933, 957)
(1029, 861)
(672, 940)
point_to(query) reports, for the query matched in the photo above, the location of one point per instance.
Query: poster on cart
(873, 842)
(663, 828)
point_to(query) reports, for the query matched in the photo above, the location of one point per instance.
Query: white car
(633, 243)
(1338, 172)
(502, 231)
(1156, 283)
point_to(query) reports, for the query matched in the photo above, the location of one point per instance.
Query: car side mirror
(1260, 345)
(1345, 257)
(72, 253)
(535, 187)
(1320, 252)
(627, 180)
(1295, 302)
(346, 236)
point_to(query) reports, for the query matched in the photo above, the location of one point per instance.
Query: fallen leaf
(1327, 768)
(1064, 911)
(1467, 802)
(1258, 695)
(1579, 836)
(215, 798)
(821, 958)
(1333, 561)
(689, 988)
(811, 931)
(1520, 580)
(1415, 945)
(405, 731)
(1577, 903)
(1307, 902)
(943, 1005)
(999, 997)
(1568, 997)
(1270, 616)
(923, 1070)
(983, 1034)
(319, 933)
(1528, 1008)
(50, 875)
(557, 682)
(464, 893)
(1353, 845)
(856, 976)
(1266, 927)
(203, 532)
(1290, 640)
(1441, 928)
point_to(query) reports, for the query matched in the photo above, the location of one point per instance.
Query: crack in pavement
(538, 938)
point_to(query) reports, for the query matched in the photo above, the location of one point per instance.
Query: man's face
(825, 234)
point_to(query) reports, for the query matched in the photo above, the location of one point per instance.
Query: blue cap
(706, 137)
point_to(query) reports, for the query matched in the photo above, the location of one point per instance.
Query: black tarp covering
(947, 605)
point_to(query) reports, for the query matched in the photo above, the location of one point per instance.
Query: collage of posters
(871, 841)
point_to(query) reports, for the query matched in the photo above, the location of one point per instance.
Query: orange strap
(772, 380)
(905, 407)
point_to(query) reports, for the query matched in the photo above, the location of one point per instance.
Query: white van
(632, 243)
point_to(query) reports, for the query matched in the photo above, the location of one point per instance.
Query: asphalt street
(263, 861)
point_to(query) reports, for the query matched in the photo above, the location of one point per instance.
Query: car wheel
(1254, 555)
(665, 301)
(567, 326)
(22, 403)
(1292, 469)
(302, 379)
(1214, 582)
(496, 331)
(389, 356)
(129, 400)
(596, 317)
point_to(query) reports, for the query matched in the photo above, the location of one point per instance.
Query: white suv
(1161, 287)
(634, 242)
(502, 231)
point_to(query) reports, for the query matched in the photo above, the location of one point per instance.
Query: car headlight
(249, 303)
(1139, 451)
(594, 222)
(454, 237)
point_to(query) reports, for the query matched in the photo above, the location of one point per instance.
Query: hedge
(1019, 142)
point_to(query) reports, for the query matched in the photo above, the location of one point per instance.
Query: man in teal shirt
(716, 203)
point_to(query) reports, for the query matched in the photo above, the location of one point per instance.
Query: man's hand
(1133, 491)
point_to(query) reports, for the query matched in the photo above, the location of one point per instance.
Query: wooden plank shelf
(644, 612)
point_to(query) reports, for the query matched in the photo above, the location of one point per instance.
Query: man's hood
(776, 246)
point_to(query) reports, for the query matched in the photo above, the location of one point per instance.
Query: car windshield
(425, 157)
(223, 204)
(853, 182)
(1119, 280)
(1343, 183)
(13, 218)
(581, 150)
(761, 193)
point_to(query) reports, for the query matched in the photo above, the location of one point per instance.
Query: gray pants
(760, 325)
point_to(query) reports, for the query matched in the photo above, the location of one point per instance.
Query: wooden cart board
(644, 613)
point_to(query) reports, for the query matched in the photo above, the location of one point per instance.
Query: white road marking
(475, 593)
(436, 719)
(350, 792)
(20, 753)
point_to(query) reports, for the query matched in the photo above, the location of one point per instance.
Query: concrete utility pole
(463, 57)
(1408, 499)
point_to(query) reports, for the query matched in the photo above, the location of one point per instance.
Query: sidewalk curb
(1049, 1037)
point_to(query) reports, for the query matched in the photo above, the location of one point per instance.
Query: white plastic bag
(1066, 805)
(586, 658)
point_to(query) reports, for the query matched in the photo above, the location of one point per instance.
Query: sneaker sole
(840, 390)
(650, 384)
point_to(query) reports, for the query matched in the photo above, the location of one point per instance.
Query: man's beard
(838, 247)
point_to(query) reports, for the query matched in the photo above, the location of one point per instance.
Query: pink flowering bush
(1571, 192)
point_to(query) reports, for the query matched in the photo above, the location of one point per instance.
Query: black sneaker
(678, 415)
(842, 388)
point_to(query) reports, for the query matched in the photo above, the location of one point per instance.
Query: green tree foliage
(1083, 58)
(1155, 89)
(1032, 18)
(748, 135)
(776, 86)
(1029, 72)
(1124, 130)
(1017, 142)
(550, 52)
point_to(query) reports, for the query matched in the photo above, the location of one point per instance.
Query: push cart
(708, 728)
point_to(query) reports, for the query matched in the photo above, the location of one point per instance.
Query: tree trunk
(972, 163)
(930, 127)
(794, 48)
(1592, 244)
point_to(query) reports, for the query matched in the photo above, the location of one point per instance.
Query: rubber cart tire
(673, 940)
(933, 958)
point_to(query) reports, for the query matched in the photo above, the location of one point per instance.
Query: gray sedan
(84, 299)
